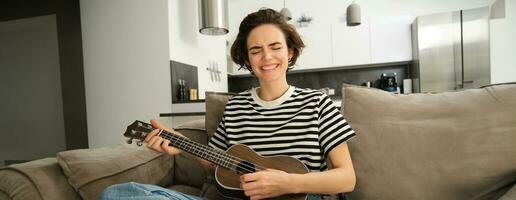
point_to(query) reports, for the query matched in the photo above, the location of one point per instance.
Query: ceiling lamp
(213, 17)
(286, 12)
(353, 15)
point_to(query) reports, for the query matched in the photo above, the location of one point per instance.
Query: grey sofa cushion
(90, 171)
(187, 171)
(39, 179)
(215, 103)
(452, 145)
(4, 196)
(192, 125)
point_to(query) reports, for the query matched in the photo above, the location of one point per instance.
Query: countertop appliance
(451, 50)
(388, 82)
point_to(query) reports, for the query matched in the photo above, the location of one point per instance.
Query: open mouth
(269, 67)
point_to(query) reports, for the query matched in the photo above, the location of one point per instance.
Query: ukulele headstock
(138, 130)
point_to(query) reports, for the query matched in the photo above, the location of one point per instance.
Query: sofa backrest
(215, 104)
(451, 145)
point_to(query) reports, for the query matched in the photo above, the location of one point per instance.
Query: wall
(30, 86)
(503, 43)
(71, 72)
(188, 46)
(126, 65)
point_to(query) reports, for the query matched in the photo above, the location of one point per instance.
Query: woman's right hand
(160, 144)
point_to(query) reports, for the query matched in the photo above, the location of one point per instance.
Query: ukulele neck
(208, 153)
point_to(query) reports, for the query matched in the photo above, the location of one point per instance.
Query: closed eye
(255, 49)
(276, 46)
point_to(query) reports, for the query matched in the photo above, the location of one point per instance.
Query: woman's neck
(272, 91)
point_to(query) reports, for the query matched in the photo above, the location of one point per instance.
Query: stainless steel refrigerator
(451, 51)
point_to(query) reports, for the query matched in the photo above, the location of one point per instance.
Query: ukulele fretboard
(208, 153)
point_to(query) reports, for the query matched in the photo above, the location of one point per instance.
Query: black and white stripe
(305, 125)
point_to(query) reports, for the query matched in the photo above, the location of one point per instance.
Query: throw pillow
(450, 145)
(89, 171)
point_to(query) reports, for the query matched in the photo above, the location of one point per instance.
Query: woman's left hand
(265, 184)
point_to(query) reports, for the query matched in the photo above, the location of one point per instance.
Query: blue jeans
(134, 191)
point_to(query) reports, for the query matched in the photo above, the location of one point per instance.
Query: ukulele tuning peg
(129, 141)
(139, 143)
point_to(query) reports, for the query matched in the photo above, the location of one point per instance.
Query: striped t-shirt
(302, 123)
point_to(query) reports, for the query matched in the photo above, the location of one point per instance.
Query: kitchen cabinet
(391, 40)
(338, 45)
(350, 45)
(317, 52)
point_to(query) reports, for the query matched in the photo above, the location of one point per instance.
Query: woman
(273, 119)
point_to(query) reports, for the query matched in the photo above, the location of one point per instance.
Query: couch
(451, 145)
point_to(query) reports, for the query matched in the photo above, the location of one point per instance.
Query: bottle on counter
(193, 94)
(182, 90)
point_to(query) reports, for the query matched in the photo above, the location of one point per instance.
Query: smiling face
(268, 53)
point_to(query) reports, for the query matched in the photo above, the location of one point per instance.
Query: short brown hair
(239, 52)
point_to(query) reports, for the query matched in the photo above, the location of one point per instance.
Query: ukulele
(237, 160)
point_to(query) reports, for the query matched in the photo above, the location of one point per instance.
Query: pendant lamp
(353, 15)
(286, 12)
(213, 17)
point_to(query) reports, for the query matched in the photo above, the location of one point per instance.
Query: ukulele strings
(233, 160)
(223, 156)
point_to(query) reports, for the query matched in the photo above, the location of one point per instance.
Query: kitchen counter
(186, 109)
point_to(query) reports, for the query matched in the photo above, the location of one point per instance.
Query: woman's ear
(290, 54)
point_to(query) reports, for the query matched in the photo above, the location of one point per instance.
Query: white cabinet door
(391, 40)
(317, 51)
(351, 45)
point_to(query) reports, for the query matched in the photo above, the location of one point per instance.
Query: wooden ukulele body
(229, 179)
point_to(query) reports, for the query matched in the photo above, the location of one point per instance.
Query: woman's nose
(267, 54)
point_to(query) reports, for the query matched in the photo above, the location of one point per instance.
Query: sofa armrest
(89, 171)
(35, 180)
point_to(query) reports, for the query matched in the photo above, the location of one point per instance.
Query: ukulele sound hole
(245, 167)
